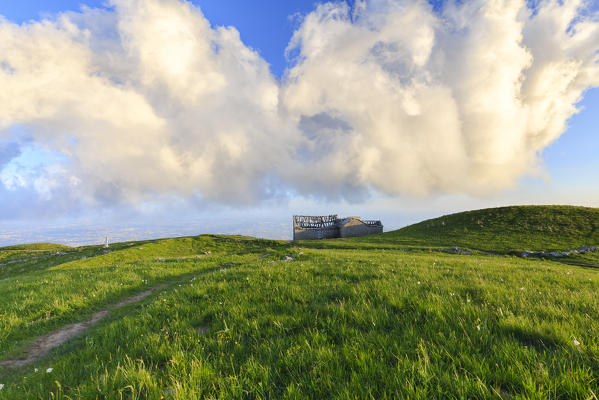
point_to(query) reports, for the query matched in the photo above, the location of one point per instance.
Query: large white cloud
(145, 99)
(148, 99)
(461, 101)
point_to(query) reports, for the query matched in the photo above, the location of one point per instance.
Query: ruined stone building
(331, 226)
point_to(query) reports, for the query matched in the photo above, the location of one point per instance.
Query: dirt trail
(42, 345)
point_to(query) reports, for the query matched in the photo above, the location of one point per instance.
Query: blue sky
(570, 164)
(573, 158)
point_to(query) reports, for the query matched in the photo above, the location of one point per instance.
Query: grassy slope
(501, 230)
(333, 323)
(35, 301)
(509, 229)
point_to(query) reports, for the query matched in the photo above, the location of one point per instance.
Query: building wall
(317, 233)
(355, 227)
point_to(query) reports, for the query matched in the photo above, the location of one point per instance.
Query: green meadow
(378, 317)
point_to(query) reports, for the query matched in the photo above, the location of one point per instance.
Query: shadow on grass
(576, 263)
(528, 337)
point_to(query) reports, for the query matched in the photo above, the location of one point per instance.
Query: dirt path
(42, 345)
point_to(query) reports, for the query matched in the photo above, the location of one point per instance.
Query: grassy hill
(509, 228)
(237, 317)
(501, 230)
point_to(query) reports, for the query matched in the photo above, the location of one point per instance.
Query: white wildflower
(576, 342)
(49, 370)
(1, 386)
(419, 282)
(478, 327)
(35, 370)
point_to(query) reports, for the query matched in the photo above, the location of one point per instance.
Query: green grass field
(344, 319)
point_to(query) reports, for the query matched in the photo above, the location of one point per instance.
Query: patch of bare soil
(42, 345)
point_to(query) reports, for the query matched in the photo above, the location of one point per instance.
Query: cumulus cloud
(459, 101)
(147, 99)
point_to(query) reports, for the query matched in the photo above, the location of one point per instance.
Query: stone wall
(315, 233)
(355, 227)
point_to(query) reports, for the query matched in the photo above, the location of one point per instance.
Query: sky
(147, 118)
